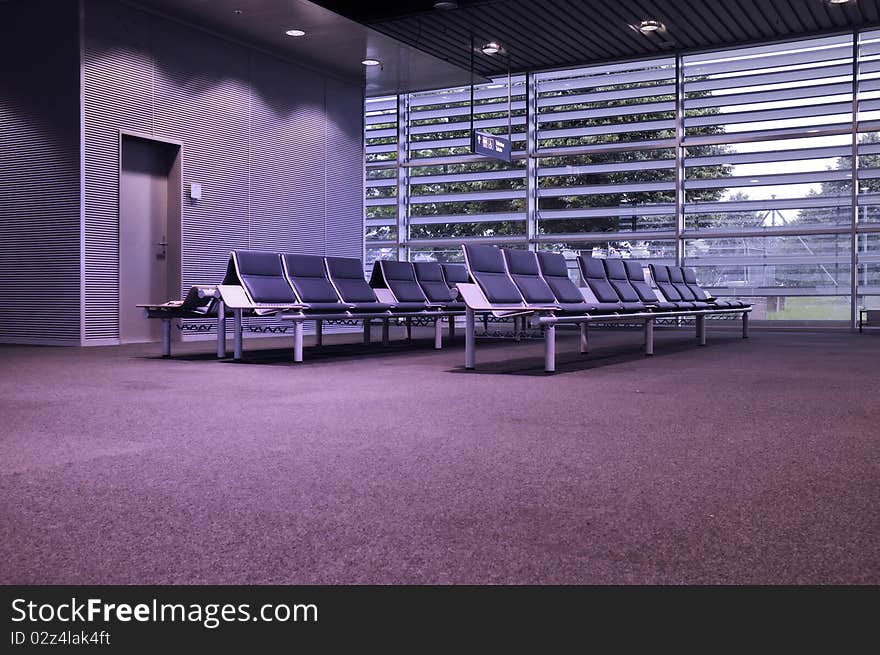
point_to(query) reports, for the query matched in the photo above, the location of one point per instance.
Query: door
(149, 215)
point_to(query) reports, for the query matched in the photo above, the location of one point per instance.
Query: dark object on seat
(636, 276)
(199, 302)
(308, 277)
(347, 276)
(262, 276)
(690, 279)
(429, 275)
(486, 266)
(400, 278)
(593, 271)
(555, 273)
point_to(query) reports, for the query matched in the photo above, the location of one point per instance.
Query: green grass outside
(812, 308)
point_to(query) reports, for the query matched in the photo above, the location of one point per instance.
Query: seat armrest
(385, 296)
(235, 297)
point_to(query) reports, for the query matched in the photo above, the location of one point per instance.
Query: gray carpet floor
(742, 462)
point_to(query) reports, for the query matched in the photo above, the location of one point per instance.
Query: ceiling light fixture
(648, 26)
(440, 4)
(839, 2)
(371, 62)
(491, 48)
(295, 33)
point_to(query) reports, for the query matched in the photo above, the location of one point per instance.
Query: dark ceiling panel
(556, 33)
(536, 34)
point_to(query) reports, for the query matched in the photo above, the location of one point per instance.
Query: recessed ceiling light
(295, 33)
(647, 26)
(491, 48)
(371, 62)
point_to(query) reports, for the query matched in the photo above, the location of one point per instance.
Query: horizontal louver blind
(768, 149)
(381, 179)
(452, 196)
(746, 110)
(605, 137)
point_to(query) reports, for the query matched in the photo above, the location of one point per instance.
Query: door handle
(163, 249)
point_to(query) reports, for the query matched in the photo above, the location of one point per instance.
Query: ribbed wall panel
(39, 174)
(309, 163)
(118, 72)
(344, 168)
(254, 131)
(201, 96)
(287, 158)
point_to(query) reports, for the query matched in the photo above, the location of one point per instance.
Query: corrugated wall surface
(344, 165)
(264, 138)
(39, 173)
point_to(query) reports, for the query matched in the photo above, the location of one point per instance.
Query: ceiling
(556, 33)
(421, 47)
(332, 43)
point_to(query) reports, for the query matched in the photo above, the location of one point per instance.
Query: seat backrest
(429, 275)
(523, 268)
(486, 266)
(660, 273)
(554, 269)
(594, 274)
(308, 276)
(400, 277)
(347, 276)
(455, 274)
(616, 272)
(636, 276)
(262, 276)
(676, 278)
(690, 279)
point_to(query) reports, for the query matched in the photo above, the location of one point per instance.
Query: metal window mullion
(402, 177)
(531, 162)
(854, 184)
(679, 159)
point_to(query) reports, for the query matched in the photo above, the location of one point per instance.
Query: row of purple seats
(508, 282)
(619, 280)
(311, 287)
(679, 283)
(430, 283)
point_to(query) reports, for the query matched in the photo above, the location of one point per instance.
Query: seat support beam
(221, 329)
(237, 336)
(470, 358)
(166, 337)
(297, 341)
(550, 348)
